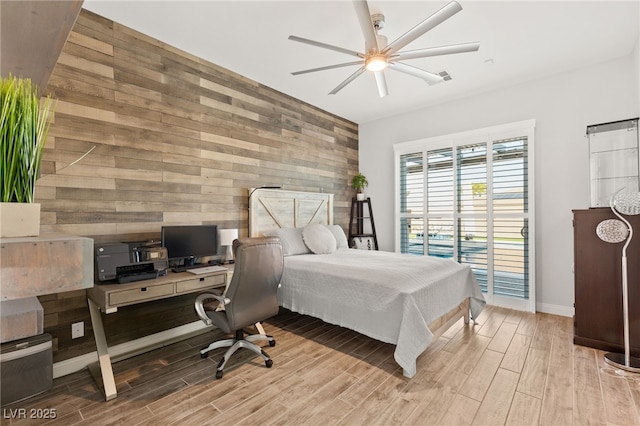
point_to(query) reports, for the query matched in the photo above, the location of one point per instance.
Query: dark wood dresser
(598, 319)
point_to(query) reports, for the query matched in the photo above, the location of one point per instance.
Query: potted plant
(359, 182)
(24, 126)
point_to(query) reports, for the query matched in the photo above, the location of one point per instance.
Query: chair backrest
(259, 263)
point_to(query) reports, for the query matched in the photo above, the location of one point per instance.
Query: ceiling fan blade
(382, 83)
(348, 80)
(364, 17)
(437, 51)
(326, 46)
(328, 67)
(432, 21)
(429, 77)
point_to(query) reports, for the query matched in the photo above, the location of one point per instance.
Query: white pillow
(291, 240)
(319, 239)
(338, 234)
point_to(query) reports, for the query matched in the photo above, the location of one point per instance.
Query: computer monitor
(188, 242)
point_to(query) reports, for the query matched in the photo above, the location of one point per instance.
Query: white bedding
(387, 296)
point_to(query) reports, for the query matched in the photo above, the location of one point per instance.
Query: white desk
(107, 298)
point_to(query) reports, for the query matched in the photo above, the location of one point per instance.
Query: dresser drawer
(200, 283)
(140, 294)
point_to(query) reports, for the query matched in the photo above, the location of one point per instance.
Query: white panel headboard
(277, 208)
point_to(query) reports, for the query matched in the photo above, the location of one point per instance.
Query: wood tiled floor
(511, 368)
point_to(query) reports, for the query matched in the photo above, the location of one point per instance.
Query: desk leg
(104, 375)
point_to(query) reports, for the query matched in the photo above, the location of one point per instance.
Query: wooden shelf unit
(598, 321)
(358, 223)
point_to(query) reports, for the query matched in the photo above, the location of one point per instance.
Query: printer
(128, 262)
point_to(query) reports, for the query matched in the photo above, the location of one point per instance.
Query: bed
(401, 299)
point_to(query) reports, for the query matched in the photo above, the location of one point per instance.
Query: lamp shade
(227, 236)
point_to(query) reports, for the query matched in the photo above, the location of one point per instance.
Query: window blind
(472, 198)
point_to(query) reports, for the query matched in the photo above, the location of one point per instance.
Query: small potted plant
(359, 182)
(23, 130)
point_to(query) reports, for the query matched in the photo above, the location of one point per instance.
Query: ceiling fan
(380, 55)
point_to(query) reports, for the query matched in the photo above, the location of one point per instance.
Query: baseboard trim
(547, 308)
(132, 348)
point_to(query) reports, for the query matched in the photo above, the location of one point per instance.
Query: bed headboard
(277, 208)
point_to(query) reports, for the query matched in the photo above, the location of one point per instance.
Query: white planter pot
(19, 220)
(360, 196)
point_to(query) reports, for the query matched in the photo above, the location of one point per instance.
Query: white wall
(563, 106)
(636, 68)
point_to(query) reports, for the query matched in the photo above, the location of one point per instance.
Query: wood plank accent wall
(178, 140)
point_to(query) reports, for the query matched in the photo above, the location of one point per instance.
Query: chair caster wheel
(268, 363)
(204, 355)
(272, 343)
(218, 374)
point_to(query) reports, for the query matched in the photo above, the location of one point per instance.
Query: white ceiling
(519, 41)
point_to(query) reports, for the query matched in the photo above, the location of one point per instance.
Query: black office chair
(250, 298)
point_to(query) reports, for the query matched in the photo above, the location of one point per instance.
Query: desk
(107, 298)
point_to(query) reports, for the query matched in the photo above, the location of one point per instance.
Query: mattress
(388, 296)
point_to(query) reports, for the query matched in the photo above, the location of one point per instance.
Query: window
(470, 193)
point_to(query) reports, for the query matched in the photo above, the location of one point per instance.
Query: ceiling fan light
(376, 63)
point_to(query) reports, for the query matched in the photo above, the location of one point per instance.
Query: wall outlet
(77, 330)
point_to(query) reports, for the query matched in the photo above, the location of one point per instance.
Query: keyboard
(206, 270)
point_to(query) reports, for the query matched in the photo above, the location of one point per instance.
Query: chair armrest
(199, 305)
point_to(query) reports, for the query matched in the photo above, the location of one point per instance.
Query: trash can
(26, 368)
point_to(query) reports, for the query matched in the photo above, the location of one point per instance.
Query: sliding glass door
(467, 197)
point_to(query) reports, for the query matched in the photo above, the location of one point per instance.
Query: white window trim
(521, 128)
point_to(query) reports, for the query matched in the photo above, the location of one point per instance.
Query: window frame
(488, 135)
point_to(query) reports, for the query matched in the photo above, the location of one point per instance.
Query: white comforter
(387, 296)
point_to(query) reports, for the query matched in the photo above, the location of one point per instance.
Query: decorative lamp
(227, 236)
(616, 231)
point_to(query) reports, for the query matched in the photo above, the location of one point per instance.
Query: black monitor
(189, 242)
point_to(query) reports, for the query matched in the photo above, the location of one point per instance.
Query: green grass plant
(24, 126)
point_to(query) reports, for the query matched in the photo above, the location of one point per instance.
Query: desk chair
(250, 298)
